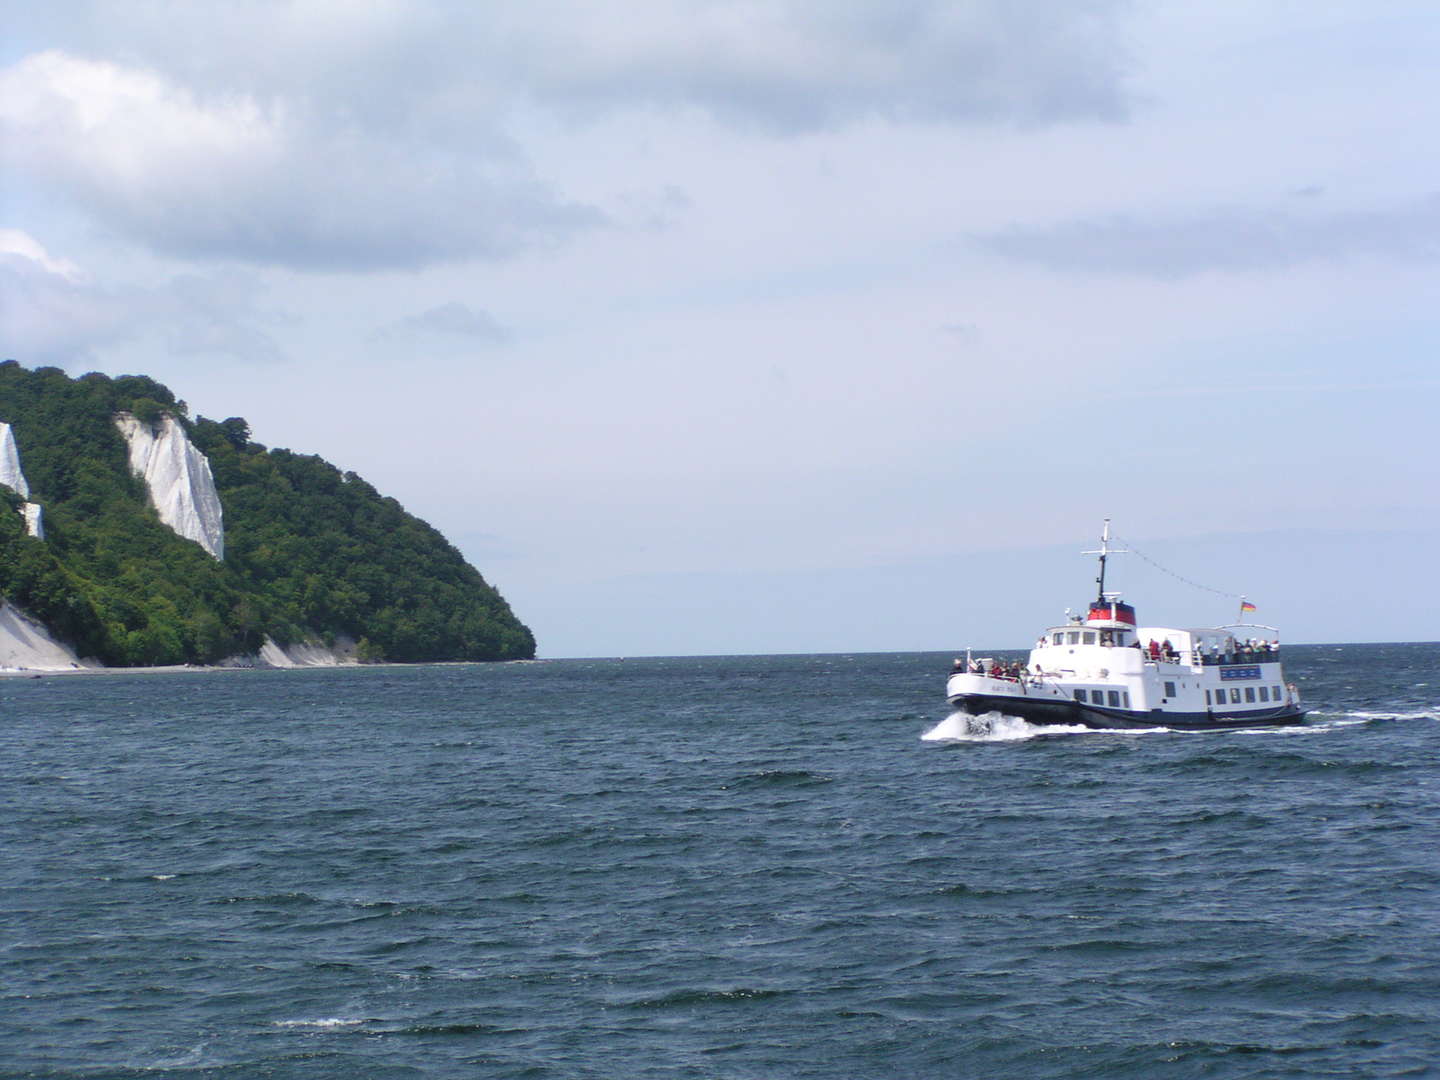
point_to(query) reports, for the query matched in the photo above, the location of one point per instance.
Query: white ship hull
(1104, 671)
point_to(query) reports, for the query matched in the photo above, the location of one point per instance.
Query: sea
(749, 867)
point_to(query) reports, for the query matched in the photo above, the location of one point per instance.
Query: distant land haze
(168, 540)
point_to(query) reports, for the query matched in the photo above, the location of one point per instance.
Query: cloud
(452, 320)
(322, 136)
(1236, 239)
(232, 177)
(786, 65)
(808, 65)
(52, 312)
(221, 315)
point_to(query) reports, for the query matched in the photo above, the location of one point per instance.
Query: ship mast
(1105, 550)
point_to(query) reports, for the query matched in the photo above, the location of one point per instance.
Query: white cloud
(49, 311)
(53, 312)
(17, 242)
(785, 65)
(325, 136)
(231, 177)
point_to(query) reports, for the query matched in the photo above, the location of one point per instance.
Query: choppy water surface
(753, 867)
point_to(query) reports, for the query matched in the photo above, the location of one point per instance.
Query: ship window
(1073, 637)
(1234, 695)
(1089, 637)
(1207, 698)
(1057, 639)
(1275, 692)
(1264, 693)
(1114, 696)
(1125, 697)
(1079, 695)
(1169, 689)
(1249, 693)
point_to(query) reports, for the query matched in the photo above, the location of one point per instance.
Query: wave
(780, 778)
(1424, 714)
(323, 1023)
(997, 727)
(689, 997)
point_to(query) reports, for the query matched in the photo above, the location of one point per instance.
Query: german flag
(1245, 606)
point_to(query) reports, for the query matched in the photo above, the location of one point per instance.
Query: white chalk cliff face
(178, 476)
(25, 645)
(13, 477)
(10, 474)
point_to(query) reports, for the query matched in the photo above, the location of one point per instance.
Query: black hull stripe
(1072, 712)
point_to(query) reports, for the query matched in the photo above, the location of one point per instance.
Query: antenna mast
(1104, 552)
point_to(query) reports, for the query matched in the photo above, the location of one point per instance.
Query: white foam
(182, 489)
(1428, 714)
(993, 727)
(322, 1022)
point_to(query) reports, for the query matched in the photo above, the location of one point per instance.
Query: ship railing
(1243, 656)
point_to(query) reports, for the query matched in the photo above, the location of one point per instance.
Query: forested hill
(310, 553)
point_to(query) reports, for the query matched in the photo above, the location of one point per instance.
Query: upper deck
(1110, 624)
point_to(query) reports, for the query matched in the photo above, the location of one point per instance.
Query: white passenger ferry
(1103, 670)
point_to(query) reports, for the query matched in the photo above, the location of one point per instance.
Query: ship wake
(961, 726)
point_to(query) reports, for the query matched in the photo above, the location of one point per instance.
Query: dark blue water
(744, 867)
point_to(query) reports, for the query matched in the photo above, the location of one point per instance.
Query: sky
(725, 326)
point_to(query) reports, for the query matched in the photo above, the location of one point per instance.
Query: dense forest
(310, 552)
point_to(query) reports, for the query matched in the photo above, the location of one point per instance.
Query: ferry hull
(1058, 712)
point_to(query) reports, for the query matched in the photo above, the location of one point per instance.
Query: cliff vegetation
(310, 552)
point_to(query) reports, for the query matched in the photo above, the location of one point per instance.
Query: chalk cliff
(26, 645)
(140, 569)
(182, 489)
(10, 473)
(13, 477)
